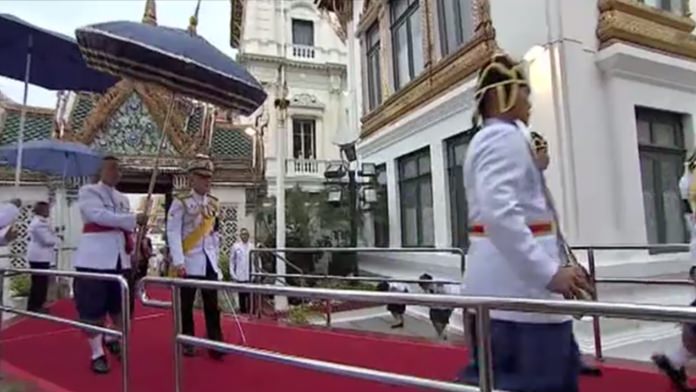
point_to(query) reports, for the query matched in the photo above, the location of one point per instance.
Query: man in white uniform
(514, 249)
(440, 317)
(105, 246)
(41, 255)
(673, 363)
(9, 212)
(194, 248)
(240, 267)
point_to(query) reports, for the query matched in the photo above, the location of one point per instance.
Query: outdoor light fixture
(250, 131)
(370, 195)
(334, 195)
(348, 150)
(368, 170)
(335, 171)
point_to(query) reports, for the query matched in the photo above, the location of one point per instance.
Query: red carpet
(57, 357)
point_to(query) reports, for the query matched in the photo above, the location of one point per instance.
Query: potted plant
(20, 286)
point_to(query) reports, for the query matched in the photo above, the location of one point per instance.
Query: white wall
(268, 28)
(584, 105)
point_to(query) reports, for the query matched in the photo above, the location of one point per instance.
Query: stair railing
(123, 335)
(480, 305)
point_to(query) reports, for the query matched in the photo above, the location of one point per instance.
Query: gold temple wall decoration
(237, 10)
(437, 79)
(631, 22)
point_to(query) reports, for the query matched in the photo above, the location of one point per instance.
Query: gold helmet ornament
(505, 76)
(202, 165)
(691, 162)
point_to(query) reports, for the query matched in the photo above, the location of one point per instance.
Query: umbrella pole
(153, 177)
(23, 118)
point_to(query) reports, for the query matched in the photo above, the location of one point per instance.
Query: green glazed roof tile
(37, 126)
(230, 143)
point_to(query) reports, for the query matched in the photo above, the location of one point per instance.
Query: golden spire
(150, 15)
(193, 20)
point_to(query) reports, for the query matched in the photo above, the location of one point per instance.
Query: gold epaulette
(212, 197)
(183, 195)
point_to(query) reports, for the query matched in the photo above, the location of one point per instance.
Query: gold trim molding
(439, 78)
(632, 22)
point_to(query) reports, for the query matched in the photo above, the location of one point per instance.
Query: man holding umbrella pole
(105, 247)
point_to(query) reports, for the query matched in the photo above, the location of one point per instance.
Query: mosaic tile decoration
(231, 143)
(229, 224)
(37, 126)
(18, 247)
(131, 131)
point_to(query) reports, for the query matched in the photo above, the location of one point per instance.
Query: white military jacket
(8, 214)
(105, 206)
(240, 262)
(510, 255)
(185, 215)
(42, 241)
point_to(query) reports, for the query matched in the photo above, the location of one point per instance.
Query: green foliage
(20, 285)
(224, 264)
(345, 285)
(300, 314)
(310, 220)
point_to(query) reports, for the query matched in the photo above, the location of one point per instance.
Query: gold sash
(206, 226)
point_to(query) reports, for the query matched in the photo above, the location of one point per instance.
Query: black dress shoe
(397, 326)
(114, 347)
(100, 365)
(676, 376)
(189, 351)
(590, 370)
(216, 355)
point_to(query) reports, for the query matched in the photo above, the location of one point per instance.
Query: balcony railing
(303, 51)
(306, 167)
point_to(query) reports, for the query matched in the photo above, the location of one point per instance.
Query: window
(407, 39)
(303, 139)
(456, 152)
(456, 24)
(374, 88)
(676, 6)
(416, 192)
(380, 214)
(302, 32)
(661, 151)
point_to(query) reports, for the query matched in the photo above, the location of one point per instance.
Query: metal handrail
(592, 266)
(123, 335)
(253, 252)
(672, 246)
(275, 251)
(353, 278)
(328, 367)
(482, 305)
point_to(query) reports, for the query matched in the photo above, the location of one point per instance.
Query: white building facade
(293, 33)
(614, 93)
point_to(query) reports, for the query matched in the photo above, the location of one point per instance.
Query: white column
(442, 227)
(393, 204)
(281, 303)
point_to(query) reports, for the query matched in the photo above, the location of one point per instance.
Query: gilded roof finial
(150, 15)
(193, 20)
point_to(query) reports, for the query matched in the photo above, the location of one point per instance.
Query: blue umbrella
(43, 58)
(176, 59)
(54, 157)
(46, 58)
